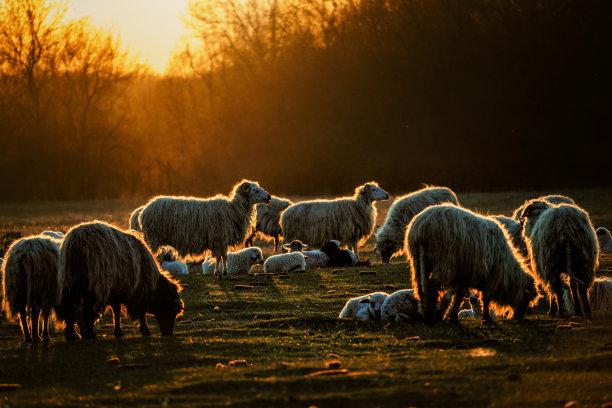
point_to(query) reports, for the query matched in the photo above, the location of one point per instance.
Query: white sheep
(292, 261)
(604, 238)
(366, 307)
(401, 305)
(551, 199)
(350, 220)
(561, 239)
(390, 237)
(268, 220)
(196, 226)
(237, 262)
(482, 259)
(315, 259)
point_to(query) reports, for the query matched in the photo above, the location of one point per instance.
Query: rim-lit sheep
(195, 226)
(135, 219)
(390, 237)
(551, 199)
(604, 238)
(515, 230)
(268, 220)
(348, 219)
(237, 262)
(366, 307)
(455, 249)
(316, 259)
(101, 266)
(29, 282)
(293, 261)
(561, 239)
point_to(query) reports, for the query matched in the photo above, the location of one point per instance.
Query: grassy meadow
(272, 345)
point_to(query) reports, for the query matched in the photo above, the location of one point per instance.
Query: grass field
(287, 331)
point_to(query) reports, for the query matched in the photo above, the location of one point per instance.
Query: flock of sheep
(453, 252)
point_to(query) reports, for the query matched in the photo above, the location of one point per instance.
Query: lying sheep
(403, 305)
(560, 240)
(268, 220)
(135, 219)
(390, 237)
(101, 266)
(515, 230)
(29, 282)
(366, 307)
(237, 262)
(338, 258)
(293, 261)
(195, 226)
(486, 262)
(348, 219)
(315, 259)
(604, 238)
(551, 199)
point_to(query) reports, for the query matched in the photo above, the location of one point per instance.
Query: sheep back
(293, 261)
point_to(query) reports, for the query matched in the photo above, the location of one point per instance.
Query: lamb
(475, 309)
(237, 262)
(29, 280)
(167, 258)
(348, 219)
(135, 219)
(515, 230)
(53, 234)
(561, 239)
(604, 238)
(101, 265)
(337, 257)
(485, 262)
(316, 259)
(293, 261)
(268, 220)
(390, 237)
(195, 226)
(404, 306)
(366, 307)
(551, 199)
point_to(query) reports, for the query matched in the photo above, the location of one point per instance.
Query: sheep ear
(246, 188)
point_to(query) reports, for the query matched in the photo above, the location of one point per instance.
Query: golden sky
(149, 28)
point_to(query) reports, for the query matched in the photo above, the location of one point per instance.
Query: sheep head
(252, 192)
(371, 192)
(385, 249)
(167, 304)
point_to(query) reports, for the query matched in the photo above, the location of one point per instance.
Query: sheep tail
(568, 260)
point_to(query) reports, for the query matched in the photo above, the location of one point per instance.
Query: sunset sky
(150, 28)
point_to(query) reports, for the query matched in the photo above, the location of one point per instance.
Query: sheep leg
(144, 327)
(68, 307)
(559, 295)
(46, 314)
(355, 249)
(486, 305)
(117, 319)
(219, 268)
(429, 305)
(89, 318)
(249, 241)
(574, 288)
(584, 295)
(275, 243)
(34, 316)
(23, 318)
(225, 274)
(457, 301)
(553, 305)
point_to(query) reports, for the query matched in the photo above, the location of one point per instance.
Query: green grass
(289, 329)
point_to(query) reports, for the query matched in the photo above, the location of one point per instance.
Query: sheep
(237, 262)
(195, 226)
(268, 220)
(561, 239)
(551, 199)
(348, 219)
(604, 238)
(475, 309)
(316, 259)
(366, 307)
(29, 279)
(101, 265)
(515, 230)
(402, 305)
(354, 258)
(482, 259)
(167, 258)
(337, 257)
(390, 237)
(53, 234)
(293, 261)
(600, 296)
(135, 219)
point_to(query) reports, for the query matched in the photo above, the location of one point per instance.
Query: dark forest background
(310, 97)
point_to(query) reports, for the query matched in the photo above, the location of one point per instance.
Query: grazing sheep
(338, 258)
(237, 262)
(195, 226)
(29, 280)
(53, 234)
(551, 199)
(316, 259)
(134, 219)
(515, 230)
(101, 266)
(293, 261)
(366, 307)
(604, 238)
(348, 219)
(268, 220)
(560, 240)
(482, 260)
(390, 237)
